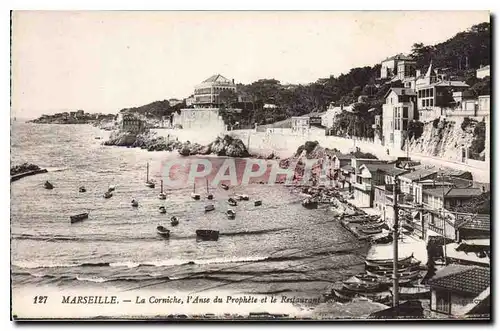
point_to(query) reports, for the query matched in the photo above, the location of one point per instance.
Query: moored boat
(231, 213)
(108, 195)
(195, 195)
(242, 197)
(224, 186)
(163, 210)
(79, 217)
(339, 294)
(149, 183)
(135, 203)
(111, 188)
(232, 202)
(162, 195)
(174, 221)
(210, 196)
(209, 208)
(48, 185)
(257, 203)
(82, 189)
(207, 234)
(162, 231)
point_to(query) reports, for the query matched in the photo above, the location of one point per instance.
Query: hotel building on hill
(206, 94)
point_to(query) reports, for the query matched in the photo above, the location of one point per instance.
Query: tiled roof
(436, 192)
(384, 167)
(453, 83)
(462, 278)
(399, 56)
(420, 173)
(478, 222)
(463, 192)
(216, 78)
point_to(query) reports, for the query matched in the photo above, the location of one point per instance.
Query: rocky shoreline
(221, 146)
(24, 170)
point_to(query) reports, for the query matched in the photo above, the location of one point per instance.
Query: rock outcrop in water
(23, 170)
(222, 146)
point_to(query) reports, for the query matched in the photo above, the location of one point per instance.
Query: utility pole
(395, 285)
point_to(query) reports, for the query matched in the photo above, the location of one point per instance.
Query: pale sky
(106, 61)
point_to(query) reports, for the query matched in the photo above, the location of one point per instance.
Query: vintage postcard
(278, 165)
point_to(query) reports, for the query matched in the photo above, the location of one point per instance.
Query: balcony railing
(363, 186)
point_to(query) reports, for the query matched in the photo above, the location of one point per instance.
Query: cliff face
(444, 139)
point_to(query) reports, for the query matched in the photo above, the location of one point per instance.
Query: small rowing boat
(111, 188)
(135, 203)
(257, 203)
(232, 202)
(162, 231)
(48, 185)
(78, 218)
(207, 234)
(82, 189)
(108, 195)
(209, 208)
(224, 186)
(310, 203)
(242, 197)
(174, 221)
(230, 214)
(163, 210)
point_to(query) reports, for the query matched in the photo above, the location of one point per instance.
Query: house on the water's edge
(459, 289)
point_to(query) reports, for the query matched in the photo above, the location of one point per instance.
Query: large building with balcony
(397, 112)
(207, 93)
(434, 94)
(398, 65)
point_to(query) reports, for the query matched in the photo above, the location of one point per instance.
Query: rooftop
(399, 56)
(388, 168)
(217, 78)
(420, 173)
(477, 222)
(462, 278)
(453, 83)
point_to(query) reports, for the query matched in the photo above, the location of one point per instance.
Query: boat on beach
(174, 221)
(163, 210)
(230, 214)
(162, 195)
(370, 230)
(232, 202)
(195, 195)
(78, 218)
(48, 185)
(162, 231)
(404, 261)
(108, 195)
(310, 203)
(363, 287)
(209, 208)
(404, 275)
(149, 183)
(82, 189)
(207, 234)
(135, 203)
(413, 263)
(257, 203)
